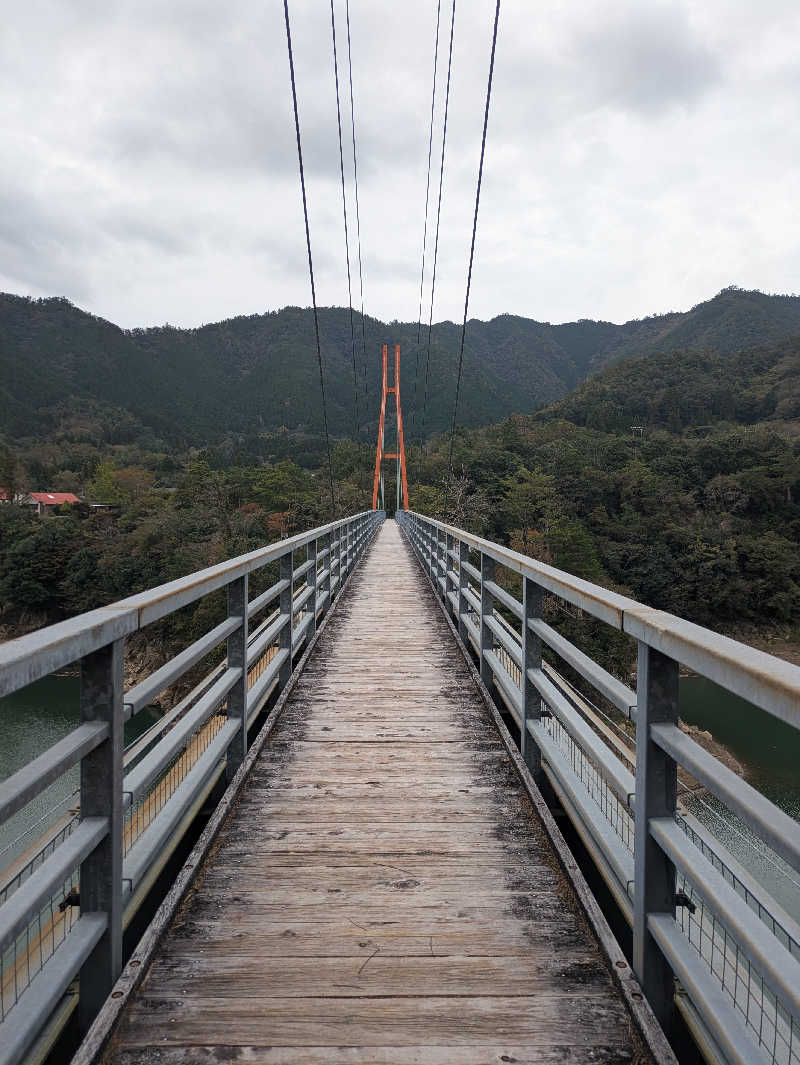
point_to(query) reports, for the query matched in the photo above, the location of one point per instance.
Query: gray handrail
(42, 652)
(130, 822)
(768, 682)
(610, 806)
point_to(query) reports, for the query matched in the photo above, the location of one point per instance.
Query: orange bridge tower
(400, 454)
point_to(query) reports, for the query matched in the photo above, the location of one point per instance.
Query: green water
(31, 720)
(769, 751)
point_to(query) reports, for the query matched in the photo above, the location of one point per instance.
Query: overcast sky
(642, 154)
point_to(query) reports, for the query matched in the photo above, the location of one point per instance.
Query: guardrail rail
(89, 877)
(706, 936)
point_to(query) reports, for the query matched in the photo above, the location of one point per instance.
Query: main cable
(346, 236)
(430, 153)
(438, 219)
(472, 248)
(310, 261)
(427, 200)
(355, 188)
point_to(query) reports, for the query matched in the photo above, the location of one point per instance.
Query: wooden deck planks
(383, 890)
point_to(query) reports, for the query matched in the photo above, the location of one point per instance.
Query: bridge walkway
(383, 890)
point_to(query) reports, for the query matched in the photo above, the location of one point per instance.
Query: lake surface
(769, 751)
(38, 716)
(31, 720)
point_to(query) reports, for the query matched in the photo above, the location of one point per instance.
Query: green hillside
(699, 514)
(689, 390)
(256, 374)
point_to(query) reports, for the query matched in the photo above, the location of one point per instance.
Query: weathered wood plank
(403, 838)
(220, 976)
(381, 809)
(556, 1054)
(258, 936)
(587, 1019)
(413, 914)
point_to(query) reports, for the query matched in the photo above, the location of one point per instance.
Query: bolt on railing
(705, 936)
(67, 923)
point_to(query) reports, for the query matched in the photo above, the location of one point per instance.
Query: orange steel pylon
(400, 454)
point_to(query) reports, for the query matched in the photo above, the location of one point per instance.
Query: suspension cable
(427, 199)
(346, 235)
(355, 187)
(308, 246)
(472, 248)
(438, 216)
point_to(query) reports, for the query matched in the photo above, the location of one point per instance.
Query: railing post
(448, 564)
(311, 582)
(656, 795)
(102, 689)
(463, 582)
(531, 659)
(286, 605)
(487, 610)
(438, 570)
(335, 556)
(327, 540)
(237, 659)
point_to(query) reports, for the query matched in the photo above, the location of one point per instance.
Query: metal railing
(705, 935)
(67, 923)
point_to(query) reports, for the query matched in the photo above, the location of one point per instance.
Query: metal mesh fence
(616, 813)
(18, 872)
(47, 930)
(767, 1018)
(147, 807)
(25, 958)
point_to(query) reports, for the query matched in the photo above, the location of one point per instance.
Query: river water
(769, 750)
(31, 720)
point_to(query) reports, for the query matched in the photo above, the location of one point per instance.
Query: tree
(9, 474)
(103, 487)
(531, 504)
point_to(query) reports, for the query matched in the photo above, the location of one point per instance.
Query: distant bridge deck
(383, 890)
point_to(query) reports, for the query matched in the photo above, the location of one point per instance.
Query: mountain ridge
(258, 372)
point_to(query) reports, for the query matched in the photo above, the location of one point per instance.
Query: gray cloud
(39, 250)
(646, 59)
(641, 155)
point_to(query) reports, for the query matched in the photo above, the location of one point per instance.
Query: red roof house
(43, 501)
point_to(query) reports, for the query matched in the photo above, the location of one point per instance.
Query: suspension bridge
(382, 878)
(346, 843)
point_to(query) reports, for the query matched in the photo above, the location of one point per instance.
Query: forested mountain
(689, 390)
(698, 514)
(249, 375)
(696, 511)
